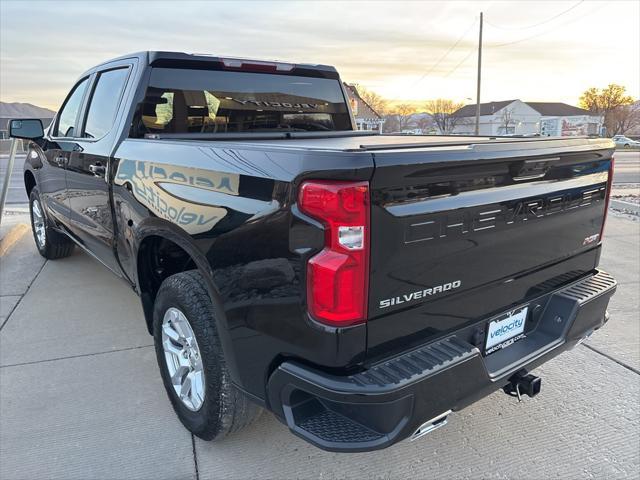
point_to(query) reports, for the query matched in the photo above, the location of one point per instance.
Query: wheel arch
(29, 181)
(157, 236)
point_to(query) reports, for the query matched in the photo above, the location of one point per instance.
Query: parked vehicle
(359, 286)
(625, 142)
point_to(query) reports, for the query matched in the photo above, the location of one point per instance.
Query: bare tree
(398, 118)
(625, 118)
(403, 112)
(610, 102)
(425, 123)
(378, 103)
(442, 112)
(506, 119)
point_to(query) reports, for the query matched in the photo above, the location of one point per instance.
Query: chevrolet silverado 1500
(359, 286)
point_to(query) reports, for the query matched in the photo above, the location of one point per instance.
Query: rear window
(201, 101)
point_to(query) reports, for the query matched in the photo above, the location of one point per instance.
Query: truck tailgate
(461, 233)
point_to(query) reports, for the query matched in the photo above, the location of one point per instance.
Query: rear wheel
(50, 243)
(191, 360)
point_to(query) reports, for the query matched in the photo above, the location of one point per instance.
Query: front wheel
(50, 243)
(191, 360)
(626, 145)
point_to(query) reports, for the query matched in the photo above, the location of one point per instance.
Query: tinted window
(69, 113)
(204, 101)
(104, 102)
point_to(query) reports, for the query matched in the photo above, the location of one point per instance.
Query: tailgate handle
(531, 169)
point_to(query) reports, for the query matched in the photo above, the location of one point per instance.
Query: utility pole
(479, 77)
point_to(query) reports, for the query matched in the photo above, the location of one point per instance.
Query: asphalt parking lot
(81, 398)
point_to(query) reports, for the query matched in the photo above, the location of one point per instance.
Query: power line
(432, 69)
(447, 52)
(536, 24)
(460, 63)
(471, 52)
(571, 20)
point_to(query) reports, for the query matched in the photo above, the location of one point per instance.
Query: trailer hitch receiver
(523, 383)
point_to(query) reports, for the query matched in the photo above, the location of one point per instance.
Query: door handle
(98, 169)
(60, 160)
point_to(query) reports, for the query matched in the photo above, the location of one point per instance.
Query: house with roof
(515, 117)
(507, 117)
(562, 120)
(366, 117)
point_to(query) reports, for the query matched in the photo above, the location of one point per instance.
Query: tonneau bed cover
(365, 141)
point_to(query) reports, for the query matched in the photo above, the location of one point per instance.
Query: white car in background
(625, 142)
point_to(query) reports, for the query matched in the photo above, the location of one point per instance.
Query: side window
(104, 102)
(69, 113)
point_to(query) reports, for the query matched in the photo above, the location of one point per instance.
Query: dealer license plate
(506, 329)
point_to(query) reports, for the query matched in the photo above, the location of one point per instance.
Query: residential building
(562, 120)
(508, 117)
(366, 117)
(515, 117)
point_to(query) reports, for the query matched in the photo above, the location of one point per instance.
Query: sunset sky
(535, 51)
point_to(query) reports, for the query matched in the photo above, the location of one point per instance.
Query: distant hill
(24, 110)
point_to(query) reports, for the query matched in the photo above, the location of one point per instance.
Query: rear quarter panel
(235, 206)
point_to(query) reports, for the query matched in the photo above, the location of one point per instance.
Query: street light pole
(477, 131)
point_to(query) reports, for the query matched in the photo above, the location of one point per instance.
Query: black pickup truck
(359, 286)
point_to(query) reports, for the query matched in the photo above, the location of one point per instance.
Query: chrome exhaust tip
(431, 425)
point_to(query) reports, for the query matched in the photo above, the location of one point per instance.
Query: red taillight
(607, 197)
(337, 277)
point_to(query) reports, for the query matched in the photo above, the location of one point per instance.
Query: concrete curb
(16, 209)
(12, 237)
(627, 207)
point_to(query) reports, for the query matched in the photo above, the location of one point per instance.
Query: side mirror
(27, 128)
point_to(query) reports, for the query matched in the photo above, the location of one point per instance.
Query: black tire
(56, 244)
(225, 409)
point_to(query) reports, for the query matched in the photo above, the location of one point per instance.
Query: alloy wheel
(39, 228)
(183, 359)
